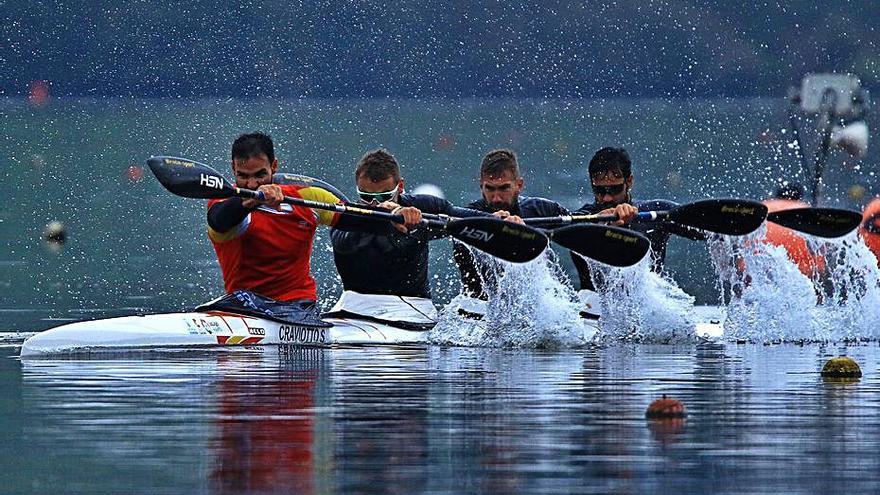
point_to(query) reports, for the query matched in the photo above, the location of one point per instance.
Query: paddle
(722, 216)
(611, 245)
(607, 244)
(506, 240)
(820, 222)
(306, 181)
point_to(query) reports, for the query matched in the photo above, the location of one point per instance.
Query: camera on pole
(836, 104)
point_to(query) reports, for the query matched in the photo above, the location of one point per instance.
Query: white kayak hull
(178, 331)
(193, 330)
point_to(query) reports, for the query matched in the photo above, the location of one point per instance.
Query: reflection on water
(407, 420)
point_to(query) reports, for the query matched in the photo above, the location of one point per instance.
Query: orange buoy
(870, 227)
(444, 141)
(665, 408)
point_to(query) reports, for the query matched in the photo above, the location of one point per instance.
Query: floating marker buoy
(38, 93)
(856, 192)
(841, 367)
(54, 235)
(444, 142)
(134, 173)
(665, 408)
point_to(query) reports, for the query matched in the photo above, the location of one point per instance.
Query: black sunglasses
(612, 190)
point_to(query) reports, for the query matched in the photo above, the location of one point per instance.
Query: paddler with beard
(611, 180)
(500, 184)
(264, 246)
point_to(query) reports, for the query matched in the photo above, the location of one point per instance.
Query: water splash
(528, 306)
(772, 301)
(850, 297)
(769, 298)
(641, 306)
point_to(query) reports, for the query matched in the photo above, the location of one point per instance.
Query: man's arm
(341, 221)
(224, 215)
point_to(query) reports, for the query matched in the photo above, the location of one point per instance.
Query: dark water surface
(416, 420)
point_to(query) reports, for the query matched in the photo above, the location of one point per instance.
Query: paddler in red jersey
(786, 197)
(870, 227)
(264, 246)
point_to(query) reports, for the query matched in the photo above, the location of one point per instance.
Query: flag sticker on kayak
(237, 340)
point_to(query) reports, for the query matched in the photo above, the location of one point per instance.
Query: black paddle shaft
(722, 216)
(511, 242)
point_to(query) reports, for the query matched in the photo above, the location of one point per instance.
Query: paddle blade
(506, 240)
(820, 222)
(722, 216)
(189, 179)
(306, 181)
(607, 244)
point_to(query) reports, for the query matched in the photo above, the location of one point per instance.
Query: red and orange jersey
(269, 251)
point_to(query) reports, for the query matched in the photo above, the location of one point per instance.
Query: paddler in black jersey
(500, 184)
(394, 266)
(611, 180)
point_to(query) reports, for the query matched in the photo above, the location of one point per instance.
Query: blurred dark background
(407, 48)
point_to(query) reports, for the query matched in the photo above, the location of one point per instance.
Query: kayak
(356, 319)
(194, 330)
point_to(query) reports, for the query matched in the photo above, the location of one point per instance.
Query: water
(434, 419)
(456, 420)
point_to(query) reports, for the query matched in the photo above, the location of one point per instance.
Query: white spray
(771, 300)
(639, 305)
(528, 306)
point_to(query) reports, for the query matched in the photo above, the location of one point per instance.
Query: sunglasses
(612, 190)
(378, 197)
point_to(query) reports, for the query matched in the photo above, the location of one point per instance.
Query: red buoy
(665, 408)
(38, 93)
(134, 173)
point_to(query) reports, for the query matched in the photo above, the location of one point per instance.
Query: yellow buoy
(841, 367)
